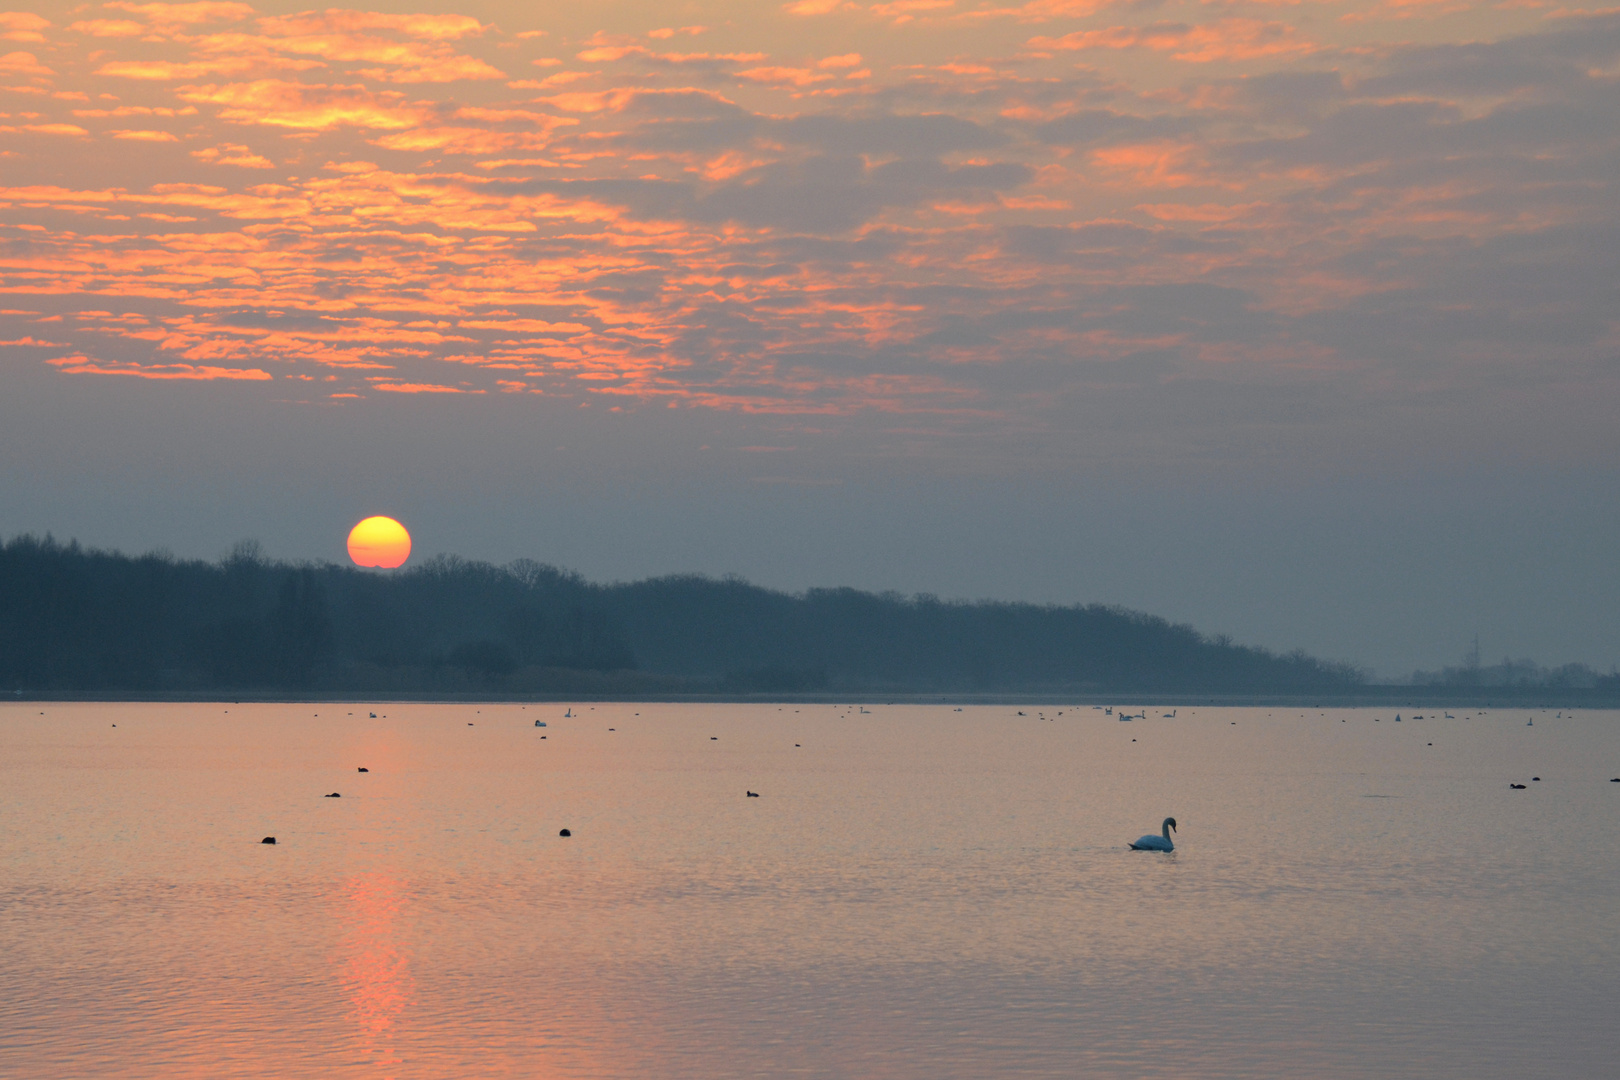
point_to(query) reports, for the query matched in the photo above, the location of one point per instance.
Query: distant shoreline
(1405, 697)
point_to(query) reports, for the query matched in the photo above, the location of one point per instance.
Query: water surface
(917, 892)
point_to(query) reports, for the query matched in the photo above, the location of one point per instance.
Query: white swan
(1157, 843)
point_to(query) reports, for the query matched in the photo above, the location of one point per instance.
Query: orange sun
(379, 541)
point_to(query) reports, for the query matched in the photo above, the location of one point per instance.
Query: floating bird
(334, 795)
(569, 713)
(539, 723)
(1535, 779)
(364, 769)
(373, 716)
(753, 794)
(268, 840)
(1517, 787)
(1157, 843)
(565, 832)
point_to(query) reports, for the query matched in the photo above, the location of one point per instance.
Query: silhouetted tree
(300, 631)
(71, 618)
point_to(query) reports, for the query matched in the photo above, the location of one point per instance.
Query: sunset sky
(1300, 321)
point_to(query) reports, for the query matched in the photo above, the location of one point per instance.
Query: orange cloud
(461, 140)
(171, 71)
(22, 26)
(643, 240)
(83, 365)
(22, 63)
(110, 28)
(1039, 11)
(904, 11)
(303, 105)
(591, 101)
(1225, 39)
(532, 326)
(233, 154)
(185, 14)
(424, 27)
(783, 76)
(421, 388)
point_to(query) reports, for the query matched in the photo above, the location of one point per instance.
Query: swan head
(1169, 823)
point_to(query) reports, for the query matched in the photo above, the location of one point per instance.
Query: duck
(1157, 843)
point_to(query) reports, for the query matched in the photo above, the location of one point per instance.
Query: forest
(76, 619)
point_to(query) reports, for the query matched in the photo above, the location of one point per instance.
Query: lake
(916, 892)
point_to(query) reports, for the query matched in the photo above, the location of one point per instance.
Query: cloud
(419, 27)
(233, 154)
(14, 64)
(171, 15)
(173, 71)
(334, 39)
(22, 26)
(53, 129)
(1011, 237)
(83, 365)
(1225, 39)
(815, 7)
(1036, 11)
(421, 388)
(110, 28)
(904, 11)
(278, 103)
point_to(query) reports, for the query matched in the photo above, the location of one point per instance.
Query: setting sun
(379, 541)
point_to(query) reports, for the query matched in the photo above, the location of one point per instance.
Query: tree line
(73, 618)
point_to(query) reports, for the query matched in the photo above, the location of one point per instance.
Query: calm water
(917, 892)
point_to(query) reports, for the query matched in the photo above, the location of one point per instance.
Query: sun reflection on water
(375, 966)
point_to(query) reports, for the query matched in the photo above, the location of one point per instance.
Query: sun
(379, 541)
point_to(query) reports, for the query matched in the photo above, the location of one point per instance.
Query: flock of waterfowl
(1150, 842)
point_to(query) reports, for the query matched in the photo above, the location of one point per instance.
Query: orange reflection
(375, 968)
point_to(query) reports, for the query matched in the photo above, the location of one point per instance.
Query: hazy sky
(1299, 321)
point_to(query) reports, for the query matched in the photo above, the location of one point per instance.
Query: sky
(1296, 321)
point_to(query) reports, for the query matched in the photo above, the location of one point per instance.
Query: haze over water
(917, 892)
